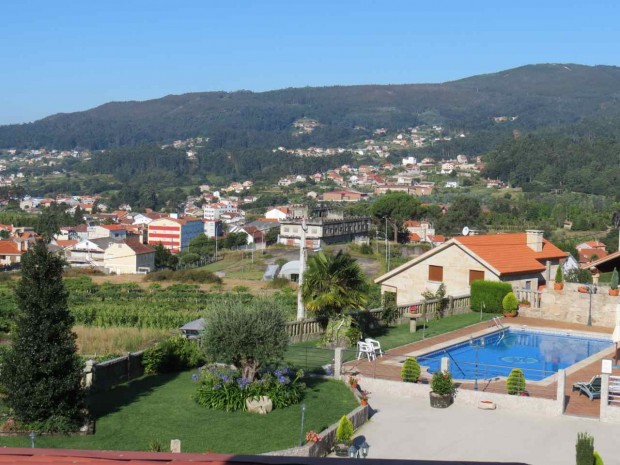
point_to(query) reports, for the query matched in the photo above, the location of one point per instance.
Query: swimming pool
(538, 353)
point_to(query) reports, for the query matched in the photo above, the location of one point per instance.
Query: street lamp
(592, 289)
(364, 449)
(301, 432)
(32, 436)
(301, 310)
(353, 452)
(476, 347)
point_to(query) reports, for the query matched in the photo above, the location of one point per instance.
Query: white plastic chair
(375, 345)
(365, 350)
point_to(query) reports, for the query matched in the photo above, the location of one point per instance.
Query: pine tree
(42, 372)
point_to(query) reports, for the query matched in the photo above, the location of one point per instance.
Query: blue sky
(73, 55)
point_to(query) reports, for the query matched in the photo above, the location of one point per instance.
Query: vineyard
(127, 305)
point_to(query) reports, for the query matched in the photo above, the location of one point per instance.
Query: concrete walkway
(411, 429)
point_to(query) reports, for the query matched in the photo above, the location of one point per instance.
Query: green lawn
(308, 356)
(160, 408)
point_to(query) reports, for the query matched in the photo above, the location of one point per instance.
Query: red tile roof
(509, 253)
(586, 255)
(138, 247)
(114, 227)
(9, 247)
(413, 237)
(63, 244)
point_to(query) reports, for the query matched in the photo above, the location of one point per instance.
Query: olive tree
(245, 334)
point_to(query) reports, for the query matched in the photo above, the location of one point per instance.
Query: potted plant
(510, 305)
(353, 381)
(364, 398)
(442, 390)
(525, 303)
(410, 372)
(344, 435)
(559, 279)
(515, 383)
(613, 284)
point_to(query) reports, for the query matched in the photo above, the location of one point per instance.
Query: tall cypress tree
(42, 372)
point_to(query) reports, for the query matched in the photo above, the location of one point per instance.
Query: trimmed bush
(174, 354)
(510, 303)
(585, 449)
(559, 276)
(515, 382)
(614, 279)
(598, 460)
(487, 296)
(344, 432)
(410, 372)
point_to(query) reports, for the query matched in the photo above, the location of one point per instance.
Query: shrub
(442, 383)
(344, 432)
(353, 335)
(585, 449)
(510, 303)
(410, 372)
(241, 289)
(222, 388)
(390, 310)
(155, 445)
(515, 383)
(487, 296)
(614, 279)
(578, 276)
(559, 277)
(598, 460)
(279, 283)
(174, 354)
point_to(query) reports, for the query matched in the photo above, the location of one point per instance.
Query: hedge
(487, 296)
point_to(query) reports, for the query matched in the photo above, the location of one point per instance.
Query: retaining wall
(572, 306)
(104, 375)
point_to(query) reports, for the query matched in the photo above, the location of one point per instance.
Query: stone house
(128, 256)
(526, 260)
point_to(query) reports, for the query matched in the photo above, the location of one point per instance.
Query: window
(528, 285)
(475, 275)
(435, 273)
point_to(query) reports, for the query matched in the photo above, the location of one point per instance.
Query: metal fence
(312, 360)
(467, 375)
(614, 391)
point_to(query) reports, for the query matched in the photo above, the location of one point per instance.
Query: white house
(129, 256)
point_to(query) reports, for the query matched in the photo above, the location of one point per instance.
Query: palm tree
(333, 283)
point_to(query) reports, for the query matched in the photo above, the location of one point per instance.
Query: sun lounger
(591, 389)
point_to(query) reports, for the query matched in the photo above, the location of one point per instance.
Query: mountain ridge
(541, 95)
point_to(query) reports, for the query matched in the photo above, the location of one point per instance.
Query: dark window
(475, 275)
(435, 273)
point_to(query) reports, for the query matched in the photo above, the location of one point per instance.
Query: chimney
(534, 239)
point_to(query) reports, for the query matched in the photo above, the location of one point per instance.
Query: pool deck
(387, 367)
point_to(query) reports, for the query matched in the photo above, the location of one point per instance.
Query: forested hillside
(538, 95)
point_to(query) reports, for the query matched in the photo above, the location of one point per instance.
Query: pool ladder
(497, 322)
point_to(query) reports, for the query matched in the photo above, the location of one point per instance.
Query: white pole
(301, 310)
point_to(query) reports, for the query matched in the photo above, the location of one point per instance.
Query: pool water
(537, 354)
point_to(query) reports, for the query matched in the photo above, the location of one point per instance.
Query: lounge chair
(591, 389)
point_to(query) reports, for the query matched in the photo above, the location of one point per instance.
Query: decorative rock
(487, 405)
(261, 405)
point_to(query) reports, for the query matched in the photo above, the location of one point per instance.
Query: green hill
(539, 95)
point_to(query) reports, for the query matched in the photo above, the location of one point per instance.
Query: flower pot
(364, 402)
(510, 315)
(582, 289)
(353, 386)
(558, 286)
(341, 450)
(614, 292)
(441, 400)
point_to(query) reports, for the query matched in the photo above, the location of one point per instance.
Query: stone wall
(572, 306)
